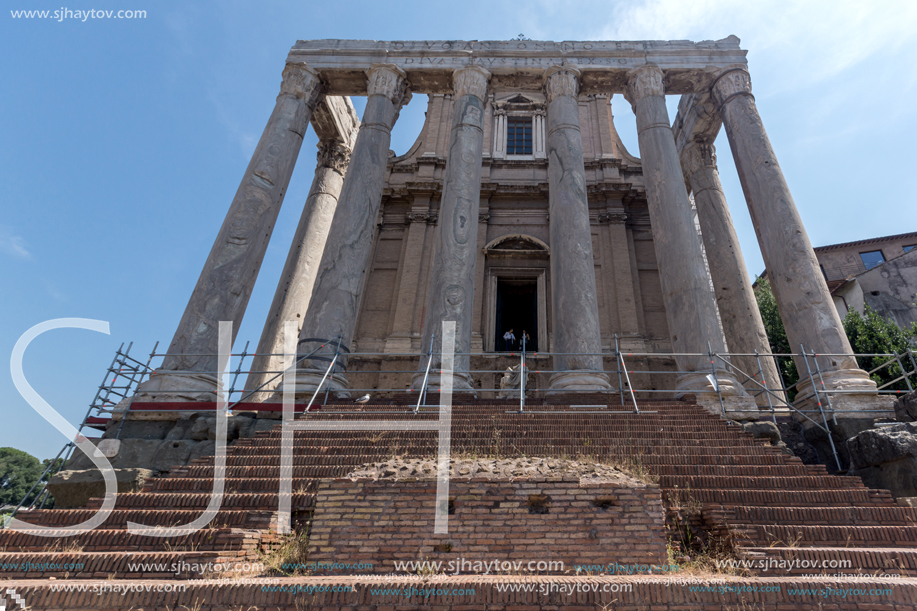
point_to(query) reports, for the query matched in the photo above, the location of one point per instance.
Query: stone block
(74, 488)
(763, 430)
(171, 453)
(906, 407)
(887, 458)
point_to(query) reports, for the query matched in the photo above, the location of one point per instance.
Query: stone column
(573, 293)
(416, 234)
(689, 304)
(451, 294)
(499, 134)
(291, 299)
(342, 272)
(802, 295)
(735, 297)
(226, 282)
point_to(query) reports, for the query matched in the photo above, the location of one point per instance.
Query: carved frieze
(617, 218)
(560, 81)
(333, 154)
(731, 84)
(389, 80)
(471, 81)
(301, 81)
(642, 82)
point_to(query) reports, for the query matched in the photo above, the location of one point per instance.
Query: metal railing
(128, 372)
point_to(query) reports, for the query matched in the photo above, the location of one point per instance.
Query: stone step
(99, 540)
(826, 536)
(813, 516)
(118, 564)
(829, 561)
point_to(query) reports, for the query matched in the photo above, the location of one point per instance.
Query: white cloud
(12, 244)
(817, 39)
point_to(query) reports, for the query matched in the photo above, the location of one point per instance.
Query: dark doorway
(517, 309)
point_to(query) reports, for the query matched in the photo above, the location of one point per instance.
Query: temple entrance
(517, 309)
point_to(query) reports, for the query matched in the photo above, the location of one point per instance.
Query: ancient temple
(518, 208)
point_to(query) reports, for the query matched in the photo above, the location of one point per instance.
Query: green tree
(871, 333)
(18, 472)
(776, 334)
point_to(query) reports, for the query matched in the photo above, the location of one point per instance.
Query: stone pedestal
(805, 304)
(735, 297)
(573, 292)
(451, 293)
(689, 303)
(342, 272)
(228, 277)
(291, 300)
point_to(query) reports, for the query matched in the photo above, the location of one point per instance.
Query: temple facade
(518, 213)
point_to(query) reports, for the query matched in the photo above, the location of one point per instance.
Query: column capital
(698, 154)
(560, 81)
(643, 82)
(390, 81)
(303, 82)
(471, 80)
(333, 154)
(729, 84)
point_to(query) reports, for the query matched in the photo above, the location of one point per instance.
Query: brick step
(464, 426)
(849, 497)
(101, 565)
(762, 483)
(246, 519)
(429, 447)
(100, 540)
(826, 536)
(829, 561)
(265, 501)
(341, 470)
(301, 485)
(787, 593)
(813, 516)
(701, 460)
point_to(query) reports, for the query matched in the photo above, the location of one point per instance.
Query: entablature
(518, 65)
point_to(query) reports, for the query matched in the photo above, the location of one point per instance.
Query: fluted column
(735, 297)
(342, 272)
(291, 299)
(689, 304)
(228, 277)
(573, 293)
(805, 304)
(451, 294)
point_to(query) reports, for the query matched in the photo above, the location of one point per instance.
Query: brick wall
(526, 519)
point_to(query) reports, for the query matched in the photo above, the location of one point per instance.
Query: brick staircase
(718, 483)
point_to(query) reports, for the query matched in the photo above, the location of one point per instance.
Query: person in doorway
(509, 340)
(527, 339)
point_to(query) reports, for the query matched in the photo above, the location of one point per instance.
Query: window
(518, 136)
(872, 258)
(909, 248)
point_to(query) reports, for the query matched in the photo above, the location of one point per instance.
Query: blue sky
(123, 142)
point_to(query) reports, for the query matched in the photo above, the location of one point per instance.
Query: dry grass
(294, 550)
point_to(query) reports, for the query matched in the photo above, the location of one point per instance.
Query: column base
(307, 380)
(740, 409)
(864, 403)
(462, 383)
(398, 344)
(698, 383)
(578, 380)
(169, 386)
